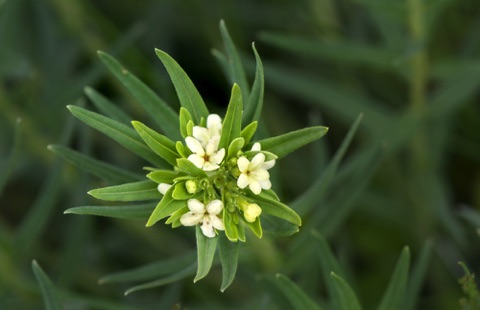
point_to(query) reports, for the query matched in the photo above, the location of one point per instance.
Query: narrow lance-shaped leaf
(255, 100)
(136, 191)
(50, 296)
(229, 260)
(416, 280)
(276, 208)
(289, 142)
(175, 277)
(106, 107)
(237, 73)
(119, 132)
(205, 253)
(160, 112)
(348, 299)
(140, 211)
(186, 91)
(102, 170)
(394, 296)
(160, 144)
(295, 295)
(165, 207)
(232, 124)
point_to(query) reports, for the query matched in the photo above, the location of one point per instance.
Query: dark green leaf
(394, 296)
(236, 71)
(163, 176)
(255, 100)
(105, 106)
(348, 299)
(141, 211)
(248, 132)
(102, 170)
(229, 260)
(232, 124)
(205, 253)
(188, 95)
(289, 142)
(136, 191)
(50, 296)
(160, 112)
(298, 299)
(188, 167)
(160, 144)
(151, 270)
(119, 132)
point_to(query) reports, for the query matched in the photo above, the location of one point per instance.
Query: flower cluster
(220, 183)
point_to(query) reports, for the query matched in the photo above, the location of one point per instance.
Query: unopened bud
(251, 212)
(191, 186)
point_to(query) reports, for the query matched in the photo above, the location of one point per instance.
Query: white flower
(207, 157)
(254, 173)
(163, 188)
(251, 212)
(204, 144)
(207, 215)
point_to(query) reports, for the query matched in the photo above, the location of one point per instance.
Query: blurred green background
(410, 177)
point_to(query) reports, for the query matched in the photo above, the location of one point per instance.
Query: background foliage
(410, 176)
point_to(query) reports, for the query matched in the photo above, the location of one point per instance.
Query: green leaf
(232, 124)
(275, 208)
(180, 192)
(174, 219)
(316, 191)
(105, 106)
(165, 207)
(185, 117)
(163, 176)
(205, 253)
(289, 142)
(182, 150)
(235, 146)
(119, 132)
(416, 280)
(9, 165)
(50, 296)
(295, 295)
(255, 100)
(236, 72)
(100, 169)
(348, 299)
(151, 270)
(140, 211)
(160, 144)
(231, 229)
(256, 227)
(187, 93)
(136, 191)
(159, 111)
(394, 296)
(248, 132)
(188, 167)
(229, 259)
(182, 274)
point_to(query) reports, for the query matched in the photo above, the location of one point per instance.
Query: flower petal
(163, 188)
(268, 164)
(256, 147)
(196, 160)
(195, 146)
(212, 145)
(214, 206)
(217, 157)
(201, 134)
(260, 175)
(207, 227)
(255, 187)
(266, 184)
(191, 219)
(257, 161)
(243, 181)
(214, 124)
(208, 166)
(196, 206)
(217, 222)
(243, 163)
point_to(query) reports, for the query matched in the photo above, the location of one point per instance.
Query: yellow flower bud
(191, 186)
(251, 212)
